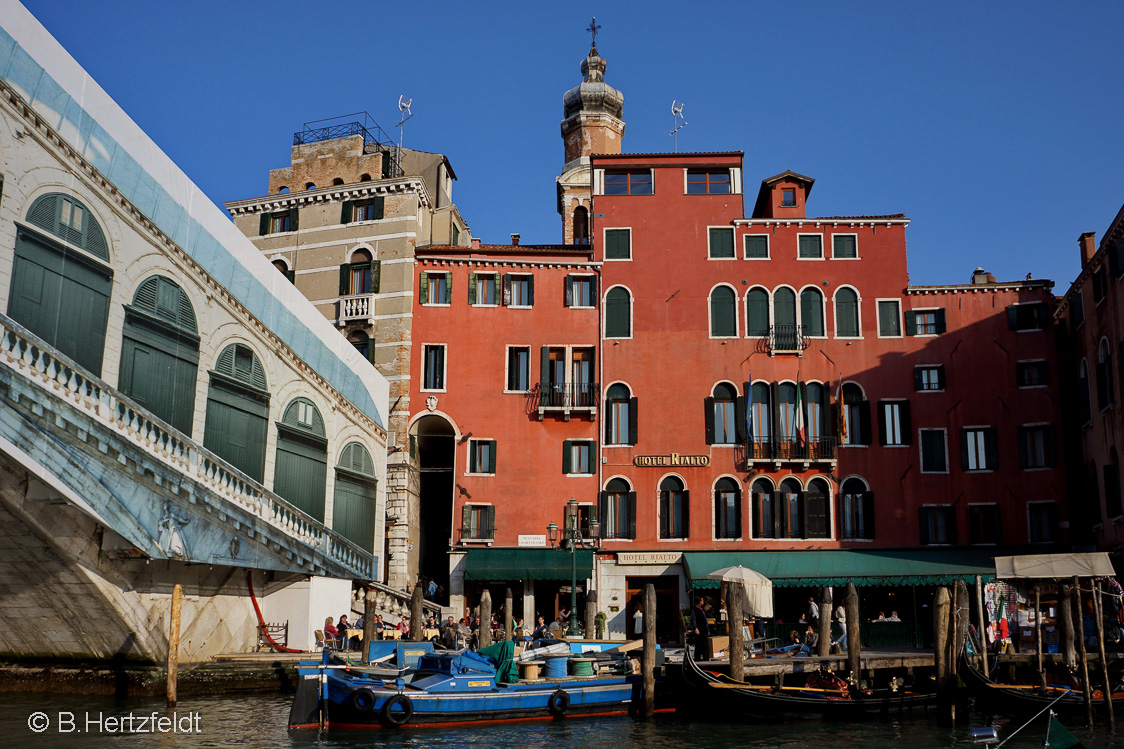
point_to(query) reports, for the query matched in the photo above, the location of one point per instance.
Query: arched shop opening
(433, 446)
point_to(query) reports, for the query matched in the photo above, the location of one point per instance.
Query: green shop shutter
(472, 288)
(294, 216)
(910, 322)
(353, 508)
(345, 280)
(347, 212)
(708, 420)
(236, 426)
(159, 364)
(566, 446)
(302, 470)
(263, 224)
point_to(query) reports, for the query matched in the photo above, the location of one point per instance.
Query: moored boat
(1020, 700)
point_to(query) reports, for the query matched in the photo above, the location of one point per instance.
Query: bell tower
(591, 123)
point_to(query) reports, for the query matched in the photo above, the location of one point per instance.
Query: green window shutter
(918, 382)
(721, 242)
(472, 288)
(665, 515)
(466, 521)
(756, 246)
(992, 449)
(923, 516)
(686, 514)
(423, 287)
(1051, 439)
(708, 419)
(810, 246)
(882, 433)
(448, 288)
(294, 216)
(811, 312)
(491, 456)
(566, 447)
(380, 207)
(868, 514)
(617, 244)
(905, 422)
(1024, 458)
(633, 422)
(506, 289)
(263, 225)
(739, 419)
(376, 276)
(757, 313)
(472, 457)
(490, 521)
(544, 366)
(964, 449)
(568, 291)
(1013, 317)
(347, 212)
(291, 275)
(345, 279)
(531, 291)
(910, 322)
(723, 311)
(942, 326)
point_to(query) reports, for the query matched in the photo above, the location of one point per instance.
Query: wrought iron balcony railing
(789, 449)
(786, 339)
(477, 533)
(569, 395)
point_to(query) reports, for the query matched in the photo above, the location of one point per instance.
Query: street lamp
(572, 539)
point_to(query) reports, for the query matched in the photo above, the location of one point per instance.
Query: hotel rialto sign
(671, 460)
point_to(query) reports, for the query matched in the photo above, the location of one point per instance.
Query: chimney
(1088, 242)
(476, 243)
(514, 240)
(980, 277)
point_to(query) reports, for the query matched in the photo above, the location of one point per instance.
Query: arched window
(621, 421)
(846, 314)
(760, 421)
(363, 344)
(856, 416)
(724, 413)
(757, 313)
(856, 509)
(674, 509)
(723, 313)
(337, 181)
(238, 410)
(765, 516)
(815, 421)
(358, 273)
(283, 268)
(785, 336)
(786, 419)
(817, 522)
(364, 177)
(1104, 375)
(618, 313)
(727, 509)
(160, 352)
(301, 474)
(618, 510)
(354, 497)
(581, 225)
(792, 507)
(60, 295)
(1086, 411)
(811, 312)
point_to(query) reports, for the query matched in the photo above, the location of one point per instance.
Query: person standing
(813, 615)
(638, 622)
(841, 617)
(701, 627)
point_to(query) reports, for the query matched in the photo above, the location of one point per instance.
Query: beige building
(341, 222)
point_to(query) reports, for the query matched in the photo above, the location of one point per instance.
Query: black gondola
(734, 698)
(1018, 700)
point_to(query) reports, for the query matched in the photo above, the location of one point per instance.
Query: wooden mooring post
(648, 664)
(484, 638)
(174, 643)
(370, 614)
(1086, 691)
(417, 614)
(737, 642)
(1098, 611)
(854, 639)
(508, 614)
(1065, 610)
(1038, 636)
(941, 604)
(590, 614)
(982, 629)
(823, 647)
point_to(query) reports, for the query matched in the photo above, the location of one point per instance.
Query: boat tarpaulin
(839, 567)
(494, 565)
(1054, 566)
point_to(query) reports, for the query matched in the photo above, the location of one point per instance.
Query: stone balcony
(358, 308)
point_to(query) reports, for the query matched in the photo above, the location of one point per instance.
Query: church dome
(593, 96)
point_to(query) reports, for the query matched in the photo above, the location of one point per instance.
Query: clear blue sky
(996, 126)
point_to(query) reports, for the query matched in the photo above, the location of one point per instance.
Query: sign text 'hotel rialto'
(674, 459)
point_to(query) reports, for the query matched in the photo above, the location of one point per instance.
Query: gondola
(1023, 700)
(831, 697)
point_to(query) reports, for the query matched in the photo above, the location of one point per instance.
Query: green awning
(863, 568)
(494, 565)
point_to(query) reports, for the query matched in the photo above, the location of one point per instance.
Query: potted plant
(599, 622)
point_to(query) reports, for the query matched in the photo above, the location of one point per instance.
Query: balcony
(358, 308)
(786, 339)
(566, 397)
(778, 450)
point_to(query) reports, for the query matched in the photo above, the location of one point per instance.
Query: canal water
(259, 721)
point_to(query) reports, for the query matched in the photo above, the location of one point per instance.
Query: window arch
(354, 496)
(581, 225)
(757, 313)
(618, 313)
(784, 307)
(282, 190)
(336, 182)
(723, 312)
(727, 508)
(357, 274)
(786, 418)
(760, 421)
(674, 509)
(856, 416)
(310, 185)
(811, 311)
(724, 413)
(765, 516)
(1086, 411)
(238, 410)
(1105, 396)
(856, 509)
(618, 510)
(846, 313)
(817, 521)
(621, 421)
(364, 177)
(70, 220)
(792, 508)
(363, 344)
(302, 457)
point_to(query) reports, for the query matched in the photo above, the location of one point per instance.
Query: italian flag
(801, 438)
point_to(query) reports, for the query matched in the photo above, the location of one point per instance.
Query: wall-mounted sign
(537, 540)
(674, 459)
(654, 557)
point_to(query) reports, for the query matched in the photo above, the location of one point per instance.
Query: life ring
(558, 702)
(363, 700)
(404, 703)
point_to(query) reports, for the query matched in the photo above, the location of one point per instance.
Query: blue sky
(995, 127)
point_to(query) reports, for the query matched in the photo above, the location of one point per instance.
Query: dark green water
(259, 721)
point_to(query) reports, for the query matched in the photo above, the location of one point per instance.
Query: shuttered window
(482, 456)
(757, 313)
(810, 246)
(1037, 446)
(756, 247)
(618, 313)
(370, 209)
(618, 244)
(727, 509)
(889, 319)
(301, 471)
(1031, 316)
(811, 312)
(621, 419)
(925, 322)
(433, 375)
(1031, 374)
(938, 525)
(618, 510)
(846, 314)
(894, 423)
(934, 451)
(578, 457)
(478, 522)
(764, 510)
(843, 246)
(518, 368)
(856, 506)
(816, 517)
(355, 495)
(674, 509)
(238, 410)
(983, 524)
(482, 289)
(978, 450)
(723, 313)
(70, 220)
(928, 378)
(435, 288)
(721, 242)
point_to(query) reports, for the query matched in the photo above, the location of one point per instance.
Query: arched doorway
(433, 446)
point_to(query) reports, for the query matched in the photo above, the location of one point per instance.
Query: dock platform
(872, 658)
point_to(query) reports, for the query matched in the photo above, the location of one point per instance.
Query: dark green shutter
(665, 514)
(992, 449)
(294, 215)
(345, 280)
(1013, 317)
(472, 457)
(347, 212)
(380, 206)
(301, 470)
(1051, 440)
(566, 445)
(490, 522)
(686, 514)
(472, 288)
(632, 514)
(942, 326)
(291, 276)
(964, 449)
(708, 419)
(721, 243)
(883, 433)
(739, 419)
(910, 322)
(918, 380)
(633, 421)
(593, 290)
(617, 244)
(159, 363)
(780, 512)
(448, 288)
(815, 515)
(530, 291)
(940, 377)
(423, 287)
(905, 423)
(506, 289)
(466, 521)
(864, 421)
(757, 313)
(568, 291)
(263, 224)
(544, 368)
(376, 276)
(868, 514)
(491, 456)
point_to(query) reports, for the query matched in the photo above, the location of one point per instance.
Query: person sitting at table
(893, 617)
(542, 632)
(342, 628)
(380, 627)
(331, 634)
(811, 639)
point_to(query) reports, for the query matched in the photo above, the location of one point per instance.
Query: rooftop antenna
(404, 107)
(676, 115)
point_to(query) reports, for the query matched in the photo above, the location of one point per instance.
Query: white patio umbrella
(758, 589)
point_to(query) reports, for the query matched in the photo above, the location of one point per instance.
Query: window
(1105, 395)
(518, 368)
(580, 225)
(934, 451)
(674, 509)
(810, 246)
(721, 242)
(816, 520)
(618, 510)
(276, 223)
(893, 423)
(283, 269)
(855, 426)
(857, 509)
(724, 412)
(757, 313)
(790, 507)
(1042, 518)
(1032, 374)
(456, 238)
(788, 197)
(618, 244)
(1037, 446)
(1100, 285)
(785, 334)
(300, 475)
(928, 378)
(618, 313)
(764, 510)
(433, 377)
(760, 421)
(1077, 311)
(360, 276)
(723, 313)
(983, 524)
(1031, 316)
(482, 456)
(843, 246)
(552, 382)
(478, 522)
(436, 288)
(815, 405)
(620, 426)
(925, 322)
(1085, 410)
(304, 413)
(584, 392)
(482, 289)
(580, 291)
(785, 432)
(811, 312)
(846, 313)
(637, 182)
(889, 319)
(368, 210)
(708, 181)
(756, 246)
(578, 457)
(518, 290)
(938, 525)
(977, 449)
(727, 509)
(363, 344)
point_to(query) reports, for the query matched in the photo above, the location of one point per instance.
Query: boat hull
(994, 697)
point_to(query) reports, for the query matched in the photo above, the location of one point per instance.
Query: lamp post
(572, 539)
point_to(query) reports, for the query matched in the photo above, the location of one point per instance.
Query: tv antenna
(676, 115)
(404, 107)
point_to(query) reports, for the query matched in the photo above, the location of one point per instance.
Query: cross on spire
(593, 29)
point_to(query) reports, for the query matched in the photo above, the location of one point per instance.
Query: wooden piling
(1065, 611)
(174, 643)
(508, 613)
(737, 642)
(854, 644)
(982, 628)
(1038, 635)
(648, 664)
(370, 614)
(590, 614)
(1085, 689)
(1098, 611)
(823, 647)
(484, 639)
(941, 604)
(417, 614)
